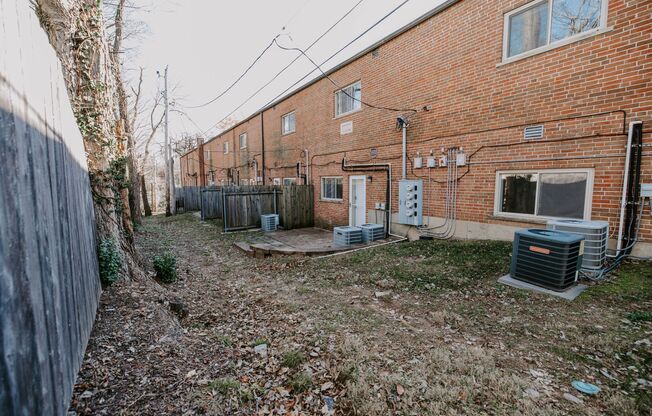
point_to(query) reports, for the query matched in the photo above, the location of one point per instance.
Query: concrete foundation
(469, 230)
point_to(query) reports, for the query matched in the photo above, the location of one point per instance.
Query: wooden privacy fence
(189, 197)
(49, 277)
(240, 207)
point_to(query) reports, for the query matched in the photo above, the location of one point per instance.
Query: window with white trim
(289, 123)
(331, 188)
(243, 141)
(545, 194)
(289, 181)
(348, 99)
(225, 147)
(544, 23)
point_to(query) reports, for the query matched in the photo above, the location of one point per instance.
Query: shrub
(165, 266)
(109, 261)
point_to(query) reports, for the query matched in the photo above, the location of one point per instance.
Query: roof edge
(393, 35)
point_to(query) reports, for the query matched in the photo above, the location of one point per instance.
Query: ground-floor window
(331, 188)
(544, 193)
(289, 181)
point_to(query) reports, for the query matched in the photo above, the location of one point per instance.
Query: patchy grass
(448, 340)
(259, 341)
(639, 316)
(224, 340)
(630, 283)
(432, 266)
(293, 359)
(224, 385)
(301, 382)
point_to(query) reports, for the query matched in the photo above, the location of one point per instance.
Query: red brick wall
(453, 63)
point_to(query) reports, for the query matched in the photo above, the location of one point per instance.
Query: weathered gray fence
(190, 197)
(211, 204)
(297, 207)
(240, 207)
(49, 283)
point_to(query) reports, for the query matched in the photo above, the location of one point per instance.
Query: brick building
(537, 98)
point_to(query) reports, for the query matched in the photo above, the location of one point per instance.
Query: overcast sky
(208, 44)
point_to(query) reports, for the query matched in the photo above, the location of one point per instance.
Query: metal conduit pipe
(626, 182)
(402, 122)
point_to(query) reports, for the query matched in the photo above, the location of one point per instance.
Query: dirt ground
(419, 328)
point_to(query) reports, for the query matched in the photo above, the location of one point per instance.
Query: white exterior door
(357, 200)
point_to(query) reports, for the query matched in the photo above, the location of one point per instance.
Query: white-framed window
(225, 147)
(289, 123)
(277, 181)
(243, 141)
(331, 188)
(348, 99)
(550, 193)
(289, 181)
(544, 24)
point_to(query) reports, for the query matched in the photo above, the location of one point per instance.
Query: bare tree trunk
(143, 187)
(124, 123)
(76, 32)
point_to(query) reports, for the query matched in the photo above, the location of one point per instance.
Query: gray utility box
(596, 234)
(346, 236)
(410, 202)
(269, 222)
(372, 232)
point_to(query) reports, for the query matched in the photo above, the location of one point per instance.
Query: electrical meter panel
(410, 202)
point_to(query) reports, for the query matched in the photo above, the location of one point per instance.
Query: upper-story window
(289, 123)
(243, 141)
(348, 99)
(225, 147)
(546, 23)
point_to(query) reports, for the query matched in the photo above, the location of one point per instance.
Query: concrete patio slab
(569, 294)
(303, 241)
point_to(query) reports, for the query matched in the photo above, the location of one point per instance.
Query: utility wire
(220, 95)
(370, 28)
(299, 10)
(337, 85)
(310, 73)
(286, 67)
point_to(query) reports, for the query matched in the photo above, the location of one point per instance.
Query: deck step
(244, 247)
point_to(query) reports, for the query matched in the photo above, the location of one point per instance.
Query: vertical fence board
(49, 279)
(245, 205)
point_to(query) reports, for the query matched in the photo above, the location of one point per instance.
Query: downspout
(255, 163)
(202, 163)
(626, 185)
(262, 139)
(307, 168)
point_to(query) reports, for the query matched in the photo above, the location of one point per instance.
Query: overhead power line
(339, 86)
(370, 28)
(355, 6)
(220, 95)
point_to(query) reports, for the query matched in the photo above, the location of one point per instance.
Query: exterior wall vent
(533, 132)
(375, 53)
